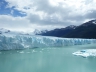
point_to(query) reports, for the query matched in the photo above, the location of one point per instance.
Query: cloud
(20, 24)
(91, 14)
(16, 23)
(49, 13)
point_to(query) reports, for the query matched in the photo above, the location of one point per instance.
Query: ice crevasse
(8, 42)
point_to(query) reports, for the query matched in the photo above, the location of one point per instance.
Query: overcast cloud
(47, 14)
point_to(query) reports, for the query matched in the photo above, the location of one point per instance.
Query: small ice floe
(85, 53)
(33, 51)
(42, 49)
(21, 52)
(17, 51)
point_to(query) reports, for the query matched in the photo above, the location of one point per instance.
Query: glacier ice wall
(25, 41)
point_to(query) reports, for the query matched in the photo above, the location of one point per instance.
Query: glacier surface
(8, 42)
(86, 53)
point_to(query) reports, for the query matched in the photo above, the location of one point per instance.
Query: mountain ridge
(85, 30)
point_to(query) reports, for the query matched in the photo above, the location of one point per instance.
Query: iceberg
(86, 53)
(13, 41)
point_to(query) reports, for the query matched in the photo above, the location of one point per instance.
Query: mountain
(37, 32)
(85, 30)
(2, 30)
(9, 32)
(58, 32)
(71, 27)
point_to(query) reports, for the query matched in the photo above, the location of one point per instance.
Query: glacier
(12, 41)
(86, 53)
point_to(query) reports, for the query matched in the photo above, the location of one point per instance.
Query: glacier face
(8, 42)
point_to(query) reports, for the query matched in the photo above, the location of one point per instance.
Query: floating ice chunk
(85, 53)
(17, 51)
(21, 52)
(42, 49)
(34, 51)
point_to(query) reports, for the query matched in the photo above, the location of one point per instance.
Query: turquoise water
(55, 59)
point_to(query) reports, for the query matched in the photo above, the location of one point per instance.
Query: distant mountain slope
(59, 32)
(86, 30)
(2, 30)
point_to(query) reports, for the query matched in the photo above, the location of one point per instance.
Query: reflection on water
(47, 60)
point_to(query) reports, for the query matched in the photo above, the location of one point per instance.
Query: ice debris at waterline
(86, 53)
(8, 42)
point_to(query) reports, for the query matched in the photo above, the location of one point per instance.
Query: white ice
(86, 53)
(13, 41)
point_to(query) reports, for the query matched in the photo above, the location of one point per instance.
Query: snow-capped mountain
(2, 30)
(89, 23)
(71, 27)
(36, 31)
(94, 22)
(9, 32)
(85, 30)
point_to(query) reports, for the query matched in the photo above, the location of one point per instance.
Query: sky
(28, 15)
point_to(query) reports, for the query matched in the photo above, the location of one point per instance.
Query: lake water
(55, 59)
